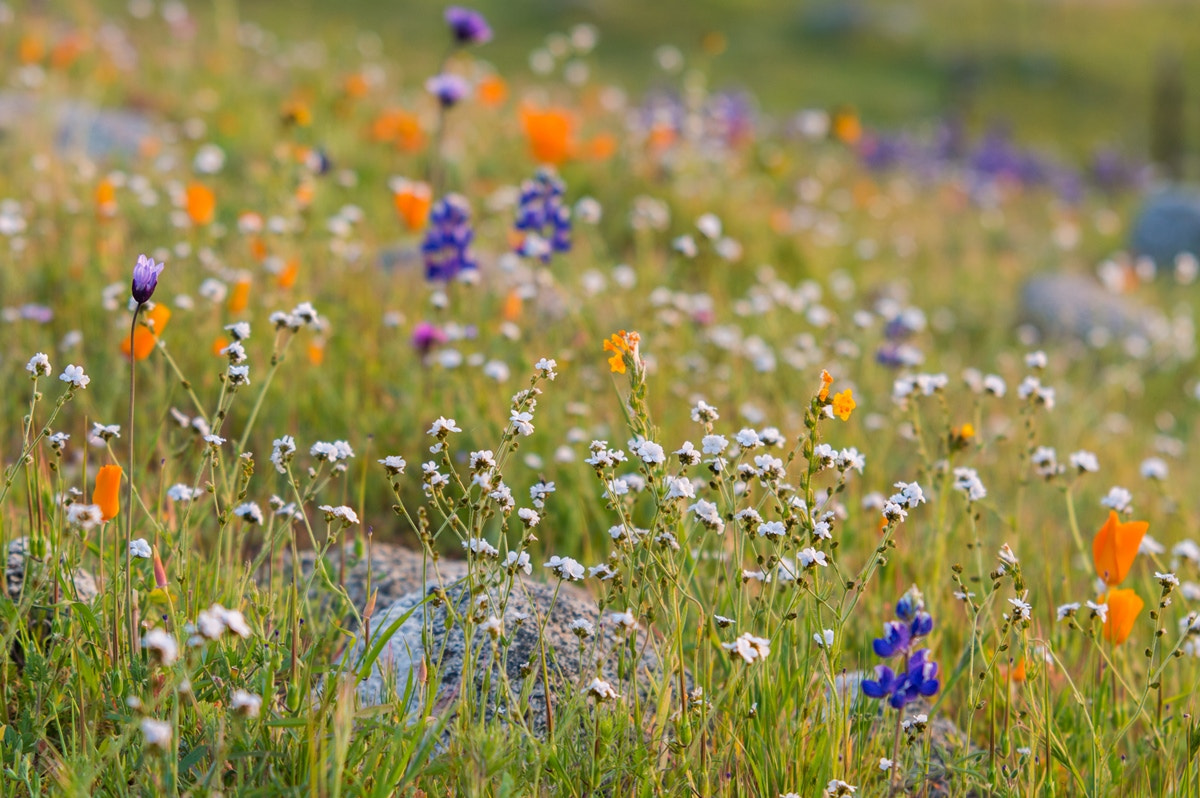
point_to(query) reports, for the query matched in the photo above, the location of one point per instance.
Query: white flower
(601, 690)
(1045, 462)
(157, 733)
(810, 558)
(442, 426)
(1154, 468)
(967, 481)
(85, 516)
(708, 514)
(180, 492)
(769, 467)
(140, 549)
(836, 788)
(39, 365)
(235, 352)
(481, 547)
(1167, 580)
(565, 568)
(680, 488)
(1036, 360)
(714, 444)
(58, 440)
(910, 494)
(771, 529)
(710, 225)
(547, 366)
(824, 638)
(304, 313)
(885, 764)
(1119, 499)
(518, 561)
(521, 422)
(538, 493)
(995, 385)
(582, 628)
(239, 375)
(1067, 610)
(214, 441)
(1083, 460)
(163, 644)
(748, 438)
(1099, 611)
(704, 413)
(245, 704)
(1006, 555)
(750, 648)
(394, 464)
(249, 512)
(343, 513)
(493, 626)
(282, 451)
(894, 511)
(650, 452)
(687, 454)
(623, 621)
(1021, 609)
(74, 375)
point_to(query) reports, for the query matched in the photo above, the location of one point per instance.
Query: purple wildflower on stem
(543, 219)
(468, 26)
(145, 278)
(447, 244)
(425, 337)
(449, 89)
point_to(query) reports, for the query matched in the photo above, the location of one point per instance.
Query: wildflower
(84, 516)
(493, 626)
(624, 622)
(239, 375)
(566, 568)
(621, 344)
(394, 464)
(650, 452)
(467, 26)
(216, 621)
(1168, 580)
(910, 495)
(106, 495)
(1154, 468)
(442, 426)
(140, 549)
(771, 529)
(704, 413)
(1084, 461)
(1022, 610)
(1045, 462)
(844, 404)
(245, 704)
(163, 645)
(214, 441)
(58, 441)
(412, 201)
(995, 385)
(967, 481)
(1123, 609)
(249, 512)
(550, 133)
(529, 517)
(601, 690)
(542, 216)
(282, 451)
(1098, 610)
(447, 245)
(39, 365)
(687, 454)
(836, 788)
(448, 89)
(714, 444)
(885, 764)
(342, 513)
(145, 278)
(105, 432)
(1067, 610)
(1115, 547)
(74, 376)
(1006, 555)
(749, 647)
(582, 628)
(521, 422)
(810, 558)
(518, 561)
(546, 368)
(826, 381)
(158, 733)
(824, 638)
(708, 515)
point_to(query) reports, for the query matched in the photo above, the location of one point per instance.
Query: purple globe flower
(449, 89)
(145, 278)
(467, 26)
(426, 336)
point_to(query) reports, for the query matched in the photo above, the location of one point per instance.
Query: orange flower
(106, 496)
(201, 203)
(550, 133)
(1123, 609)
(846, 127)
(31, 49)
(316, 352)
(511, 310)
(492, 91)
(1115, 546)
(297, 113)
(144, 337)
(239, 297)
(662, 136)
(620, 344)
(413, 200)
(843, 404)
(219, 345)
(826, 381)
(1017, 674)
(288, 274)
(356, 85)
(106, 198)
(602, 146)
(399, 128)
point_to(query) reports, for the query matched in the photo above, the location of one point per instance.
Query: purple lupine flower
(468, 26)
(447, 245)
(145, 278)
(449, 89)
(426, 336)
(542, 217)
(918, 676)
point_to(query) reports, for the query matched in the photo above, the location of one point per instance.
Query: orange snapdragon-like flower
(550, 132)
(620, 344)
(844, 404)
(1124, 606)
(1115, 547)
(412, 200)
(826, 381)
(107, 494)
(144, 337)
(200, 203)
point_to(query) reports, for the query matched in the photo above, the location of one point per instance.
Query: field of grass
(879, 432)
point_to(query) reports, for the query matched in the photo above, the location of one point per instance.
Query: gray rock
(21, 565)
(1167, 225)
(1074, 306)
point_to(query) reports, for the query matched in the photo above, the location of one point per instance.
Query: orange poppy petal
(108, 491)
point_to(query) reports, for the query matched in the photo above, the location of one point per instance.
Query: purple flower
(542, 217)
(426, 336)
(918, 676)
(449, 89)
(145, 278)
(468, 27)
(447, 244)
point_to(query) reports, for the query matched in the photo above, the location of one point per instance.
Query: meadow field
(798, 349)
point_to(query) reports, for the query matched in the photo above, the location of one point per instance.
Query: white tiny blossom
(245, 703)
(566, 568)
(1118, 499)
(249, 512)
(39, 365)
(74, 376)
(442, 426)
(749, 647)
(1099, 611)
(714, 444)
(1067, 610)
(162, 644)
(158, 733)
(824, 638)
(140, 549)
(1083, 460)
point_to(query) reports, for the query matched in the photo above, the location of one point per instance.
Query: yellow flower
(620, 344)
(1123, 609)
(1115, 547)
(843, 404)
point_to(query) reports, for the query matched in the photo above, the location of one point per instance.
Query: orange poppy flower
(662, 136)
(239, 297)
(1124, 606)
(201, 204)
(107, 494)
(67, 50)
(492, 91)
(846, 128)
(288, 274)
(356, 85)
(144, 337)
(258, 248)
(550, 133)
(413, 200)
(512, 306)
(399, 128)
(1115, 546)
(106, 198)
(602, 146)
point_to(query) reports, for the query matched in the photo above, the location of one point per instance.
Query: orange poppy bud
(160, 572)
(239, 297)
(846, 127)
(1115, 547)
(107, 494)
(201, 204)
(492, 91)
(1123, 609)
(287, 277)
(661, 137)
(1017, 674)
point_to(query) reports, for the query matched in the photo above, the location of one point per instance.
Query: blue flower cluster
(918, 677)
(542, 218)
(447, 245)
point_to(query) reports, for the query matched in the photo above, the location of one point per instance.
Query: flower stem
(128, 503)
